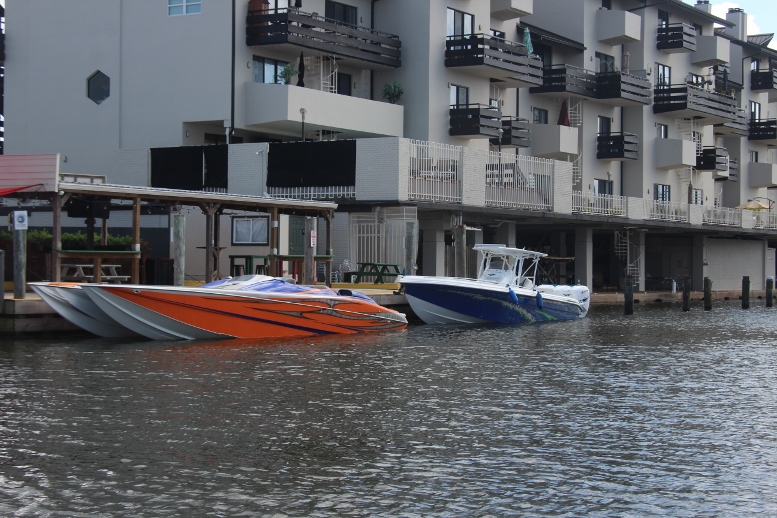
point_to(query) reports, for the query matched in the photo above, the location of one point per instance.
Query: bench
(377, 270)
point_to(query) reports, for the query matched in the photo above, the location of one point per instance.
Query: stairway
(627, 252)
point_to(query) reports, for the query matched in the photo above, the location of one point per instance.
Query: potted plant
(286, 73)
(392, 92)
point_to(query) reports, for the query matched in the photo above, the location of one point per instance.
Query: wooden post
(411, 247)
(328, 215)
(308, 269)
(707, 294)
(208, 246)
(19, 262)
(104, 232)
(686, 294)
(217, 245)
(179, 249)
(56, 234)
(274, 223)
(2, 280)
(628, 295)
(746, 292)
(769, 291)
(460, 236)
(135, 271)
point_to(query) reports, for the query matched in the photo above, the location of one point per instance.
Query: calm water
(661, 413)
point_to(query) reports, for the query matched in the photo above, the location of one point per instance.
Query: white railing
(314, 193)
(380, 238)
(435, 172)
(666, 210)
(604, 204)
(722, 216)
(519, 182)
(764, 219)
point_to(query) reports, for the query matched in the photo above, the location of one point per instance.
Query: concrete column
(505, 233)
(697, 262)
(460, 243)
(434, 252)
(411, 247)
(179, 249)
(584, 257)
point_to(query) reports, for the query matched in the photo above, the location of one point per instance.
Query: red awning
(9, 190)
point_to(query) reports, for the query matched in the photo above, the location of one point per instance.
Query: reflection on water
(662, 412)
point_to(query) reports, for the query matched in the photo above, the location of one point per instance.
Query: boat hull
(467, 301)
(164, 312)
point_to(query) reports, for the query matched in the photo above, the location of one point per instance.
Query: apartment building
(618, 136)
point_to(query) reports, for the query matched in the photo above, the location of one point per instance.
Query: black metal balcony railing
(515, 133)
(712, 158)
(617, 146)
(739, 127)
(475, 121)
(294, 27)
(697, 100)
(733, 170)
(567, 79)
(763, 79)
(499, 58)
(627, 87)
(763, 129)
(676, 37)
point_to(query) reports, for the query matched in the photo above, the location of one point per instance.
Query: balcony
(617, 146)
(737, 128)
(622, 89)
(762, 174)
(475, 121)
(676, 37)
(713, 159)
(733, 170)
(764, 81)
(711, 51)
(275, 108)
(279, 27)
(511, 9)
(515, 133)
(494, 58)
(567, 80)
(618, 27)
(691, 102)
(672, 153)
(764, 130)
(553, 141)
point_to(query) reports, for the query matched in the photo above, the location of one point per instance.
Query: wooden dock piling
(686, 294)
(628, 295)
(707, 294)
(746, 292)
(769, 292)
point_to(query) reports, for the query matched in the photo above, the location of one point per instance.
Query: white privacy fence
(519, 182)
(722, 216)
(604, 204)
(435, 171)
(666, 210)
(379, 237)
(764, 219)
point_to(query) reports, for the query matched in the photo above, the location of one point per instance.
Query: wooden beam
(56, 233)
(135, 271)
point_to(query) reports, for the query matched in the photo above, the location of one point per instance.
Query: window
(753, 156)
(604, 125)
(663, 75)
(695, 79)
(98, 87)
(497, 34)
(663, 18)
(604, 63)
(755, 64)
(661, 192)
(344, 84)
(342, 13)
(494, 103)
(698, 29)
(539, 116)
(459, 96)
(460, 23)
(697, 197)
(603, 187)
(267, 70)
(607, 4)
(662, 131)
(178, 7)
(250, 230)
(755, 111)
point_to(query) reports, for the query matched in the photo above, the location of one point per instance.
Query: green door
(296, 235)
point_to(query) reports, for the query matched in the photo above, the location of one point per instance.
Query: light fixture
(187, 133)
(64, 158)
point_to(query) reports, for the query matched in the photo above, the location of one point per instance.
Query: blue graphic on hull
(493, 306)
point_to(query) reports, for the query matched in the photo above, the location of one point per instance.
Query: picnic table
(94, 259)
(378, 270)
(84, 272)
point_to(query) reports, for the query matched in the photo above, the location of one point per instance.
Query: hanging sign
(313, 238)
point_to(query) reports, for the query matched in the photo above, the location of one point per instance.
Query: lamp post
(302, 112)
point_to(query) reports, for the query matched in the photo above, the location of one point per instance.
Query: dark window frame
(261, 219)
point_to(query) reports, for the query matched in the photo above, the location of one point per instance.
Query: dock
(19, 317)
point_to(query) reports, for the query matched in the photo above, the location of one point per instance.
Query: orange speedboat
(252, 306)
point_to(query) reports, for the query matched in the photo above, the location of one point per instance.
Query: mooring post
(686, 294)
(2, 281)
(628, 298)
(19, 254)
(745, 292)
(769, 291)
(707, 294)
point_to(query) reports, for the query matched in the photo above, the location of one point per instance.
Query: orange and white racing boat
(251, 306)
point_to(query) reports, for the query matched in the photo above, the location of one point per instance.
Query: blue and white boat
(504, 292)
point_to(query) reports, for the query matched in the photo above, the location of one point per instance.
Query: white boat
(74, 305)
(250, 306)
(504, 292)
